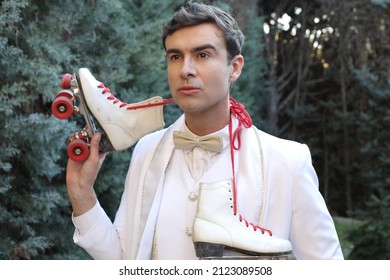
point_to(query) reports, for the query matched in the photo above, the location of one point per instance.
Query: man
(178, 196)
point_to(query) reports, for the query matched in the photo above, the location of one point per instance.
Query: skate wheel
(65, 93)
(78, 150)
(62, 107)
(65, 81)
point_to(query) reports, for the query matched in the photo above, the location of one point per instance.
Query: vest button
(189, 231)
(193, 196)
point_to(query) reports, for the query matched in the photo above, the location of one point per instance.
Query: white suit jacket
(280, 191)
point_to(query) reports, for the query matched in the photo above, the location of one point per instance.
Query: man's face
(199, 73)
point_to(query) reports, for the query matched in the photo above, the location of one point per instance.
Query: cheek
(220, 77)
(170, 76)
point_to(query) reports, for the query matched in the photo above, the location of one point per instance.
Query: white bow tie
(186, 141)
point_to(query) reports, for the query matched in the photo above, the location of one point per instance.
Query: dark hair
(197, 13)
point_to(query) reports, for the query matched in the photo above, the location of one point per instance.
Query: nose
(188, 68)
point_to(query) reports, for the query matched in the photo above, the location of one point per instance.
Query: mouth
(188, 90)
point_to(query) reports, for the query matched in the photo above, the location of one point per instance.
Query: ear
(237, 64)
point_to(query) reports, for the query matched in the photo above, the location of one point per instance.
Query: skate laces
(244, 119)
(263, 230)
(111, 95)
(122, 104)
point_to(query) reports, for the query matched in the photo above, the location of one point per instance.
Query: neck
(204, 125)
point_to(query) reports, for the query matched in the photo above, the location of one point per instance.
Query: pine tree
(32, 141)
(382, 3)
(371, 239)
(252, 87)
(39, 42)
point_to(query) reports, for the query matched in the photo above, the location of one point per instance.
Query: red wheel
(65, 81)
(78, 150)
(65, 93)
(62, 107)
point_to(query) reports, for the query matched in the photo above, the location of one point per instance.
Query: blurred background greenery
(315, 71)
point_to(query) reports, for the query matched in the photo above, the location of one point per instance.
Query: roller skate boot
(217, 229)
(120, 124)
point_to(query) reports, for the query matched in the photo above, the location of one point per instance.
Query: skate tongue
(112, 97)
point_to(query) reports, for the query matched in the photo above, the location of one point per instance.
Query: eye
(173, 57)
(203, 55)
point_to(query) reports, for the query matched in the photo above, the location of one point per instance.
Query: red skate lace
(244, 119)
(263, 230)
(115, 100)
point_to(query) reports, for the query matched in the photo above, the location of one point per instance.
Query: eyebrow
(196, 49)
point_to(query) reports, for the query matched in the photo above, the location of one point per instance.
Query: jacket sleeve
(313, 234)
(96, 234)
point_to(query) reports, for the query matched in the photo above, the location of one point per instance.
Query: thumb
(95, 153)
(94, 148)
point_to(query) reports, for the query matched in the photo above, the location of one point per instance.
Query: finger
(95, 140)
(96, 157)
(94, 145)
(94, 148)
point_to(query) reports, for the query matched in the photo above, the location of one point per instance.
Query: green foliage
(371, 240)
(382, 3)
(120, 42)
(344, 226)
(374, 143)
(39, 42)
(251, 88)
